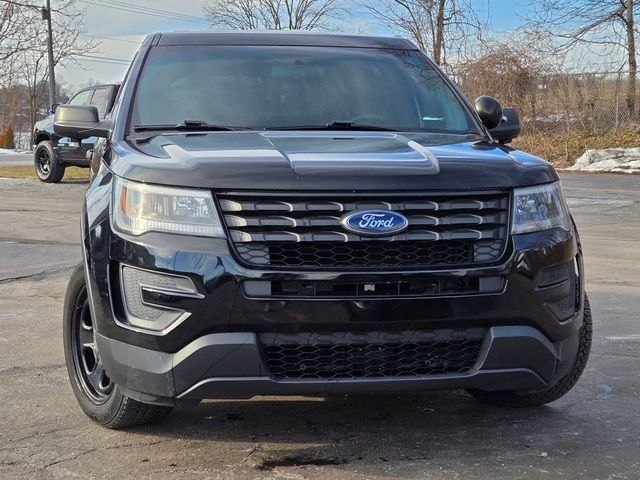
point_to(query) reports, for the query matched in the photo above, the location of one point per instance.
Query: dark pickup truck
(303, 214)
(52, 153)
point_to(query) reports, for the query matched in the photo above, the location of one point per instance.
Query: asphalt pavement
(16, 159)
(592, 433)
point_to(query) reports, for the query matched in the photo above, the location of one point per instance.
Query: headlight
(540, 208)
(139, 208)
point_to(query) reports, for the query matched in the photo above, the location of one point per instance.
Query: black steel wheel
(97, 395)
(94, 380)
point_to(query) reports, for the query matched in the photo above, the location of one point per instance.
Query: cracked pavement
(592, 433)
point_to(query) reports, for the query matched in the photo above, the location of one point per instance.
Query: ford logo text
(375, 222)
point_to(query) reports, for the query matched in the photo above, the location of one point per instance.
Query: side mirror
(509, 128)
(489, 110)
(54, 107)
(79, 121)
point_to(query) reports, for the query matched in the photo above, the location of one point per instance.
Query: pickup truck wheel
(561, 388)
(47, 166)
(97, 395)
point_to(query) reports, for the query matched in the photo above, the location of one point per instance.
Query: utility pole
(46, 15)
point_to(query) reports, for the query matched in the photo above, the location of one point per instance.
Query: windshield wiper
(337, 126)
(187, 125)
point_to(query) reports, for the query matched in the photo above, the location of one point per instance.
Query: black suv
(301, 214)
(52, 153)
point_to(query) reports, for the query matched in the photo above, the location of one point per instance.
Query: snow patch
(4, 151)
(615, 160)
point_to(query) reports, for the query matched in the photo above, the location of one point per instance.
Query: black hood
(345, 161)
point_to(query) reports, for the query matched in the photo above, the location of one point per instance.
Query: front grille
(359, 254)
(371, 354)
(295, 231)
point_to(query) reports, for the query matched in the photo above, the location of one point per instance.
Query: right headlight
(539, 208)
(139, 208)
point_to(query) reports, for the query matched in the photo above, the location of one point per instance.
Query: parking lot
(592, 433)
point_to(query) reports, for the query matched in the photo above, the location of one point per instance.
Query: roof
(283, 38)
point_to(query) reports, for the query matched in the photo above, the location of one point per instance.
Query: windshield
(267, 87)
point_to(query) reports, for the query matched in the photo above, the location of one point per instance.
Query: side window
(99, 99)
(81, 98)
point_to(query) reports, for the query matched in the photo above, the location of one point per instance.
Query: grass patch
(563, 150)
(28, 171)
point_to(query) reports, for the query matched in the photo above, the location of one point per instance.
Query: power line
(104, 62)
(20, 4)
(102, 58)
(157, 10)
(26, 5)
(125, 7)
(100, 37)
(98, 57)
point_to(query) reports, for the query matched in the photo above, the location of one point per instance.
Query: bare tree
(603, 27)
(31, 67)
(513, 71)
(446, 29)
(273, 14)
(504, 73)
(15, 36)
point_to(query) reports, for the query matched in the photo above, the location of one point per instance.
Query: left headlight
(139, 208)
(540, 208)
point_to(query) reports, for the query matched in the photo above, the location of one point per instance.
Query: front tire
(515, 399)
(97, 395)
(46, 164)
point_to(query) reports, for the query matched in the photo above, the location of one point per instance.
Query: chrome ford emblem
(375, 222)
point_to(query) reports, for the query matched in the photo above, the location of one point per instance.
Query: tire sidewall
(102, 413)
(56, 171)
(511, 398)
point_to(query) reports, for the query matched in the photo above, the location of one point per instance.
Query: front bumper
(230, 365)
(531, 329)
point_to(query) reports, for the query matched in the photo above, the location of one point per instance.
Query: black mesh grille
(371, 354)
(293, 231)
(359, 254)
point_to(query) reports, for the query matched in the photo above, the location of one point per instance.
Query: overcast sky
(126, 29)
